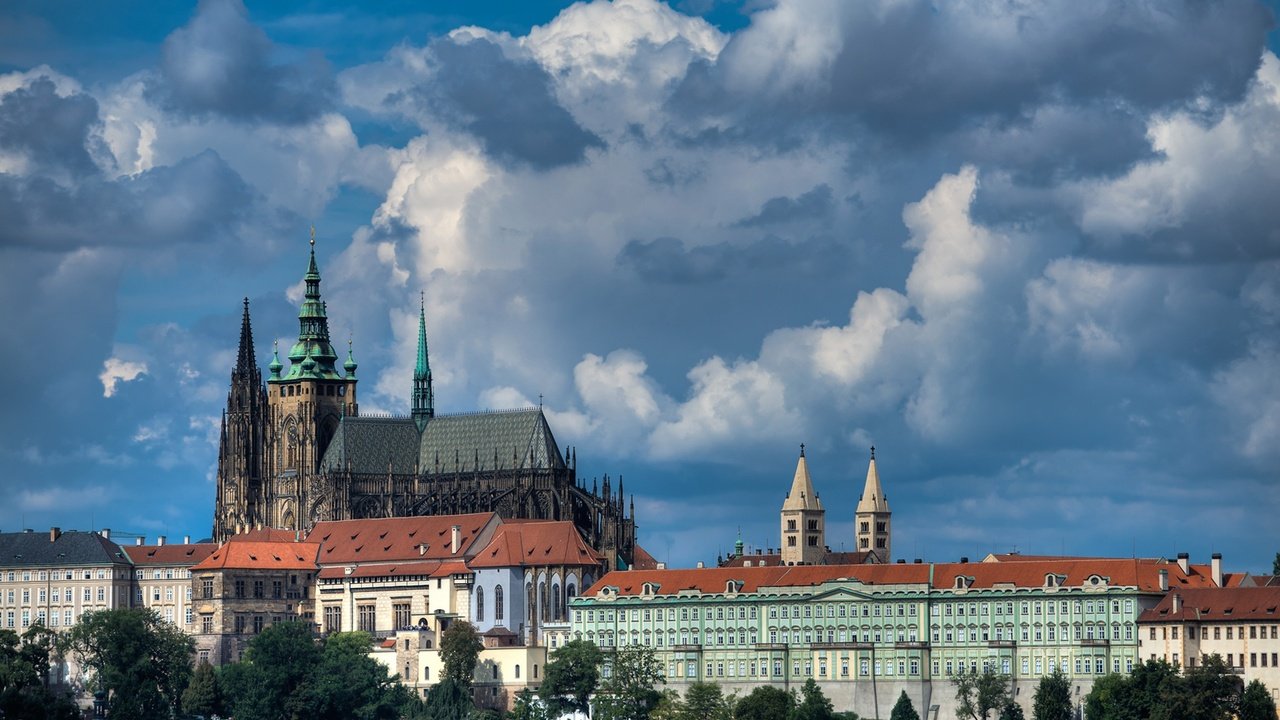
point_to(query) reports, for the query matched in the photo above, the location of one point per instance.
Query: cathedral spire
(312, 357)
(244, 358)
(423, 396)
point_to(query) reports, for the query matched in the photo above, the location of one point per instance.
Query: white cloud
(116, 370)
(1248, 393)
(63, 499)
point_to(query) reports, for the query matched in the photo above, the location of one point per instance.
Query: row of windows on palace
(891, 667)
(1256, 632)
(240, 589)
(45, 575)
(688, 636)
(982, 610)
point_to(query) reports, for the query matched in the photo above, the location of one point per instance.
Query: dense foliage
(141, 662)
(1256, 703)
(24, 673)
(1053, 697)
(979, 693)
(766, 702)
(903, 709)
(572, 676)
(629, 692)
(1156, 690)
(460, 648)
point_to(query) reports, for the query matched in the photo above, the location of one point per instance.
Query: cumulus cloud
(222, 64)
(116, 371)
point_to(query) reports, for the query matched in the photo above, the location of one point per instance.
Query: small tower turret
(872, 518)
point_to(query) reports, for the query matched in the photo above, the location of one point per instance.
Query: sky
(1030, 251)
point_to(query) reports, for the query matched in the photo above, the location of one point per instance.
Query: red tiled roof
(185, 555)
(831, 558)
(536, 543)
(1208, 604)
(428, 568)
(642, 560)
(390, 539)
(1143, 574)
(251, 555)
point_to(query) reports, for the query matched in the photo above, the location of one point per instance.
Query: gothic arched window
(479, 604)
(498, 613)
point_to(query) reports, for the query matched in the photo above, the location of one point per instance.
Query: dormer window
(648, 589)
(963, 582)
(1052, 580)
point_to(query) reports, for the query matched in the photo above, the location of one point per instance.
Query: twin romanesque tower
(803, 520)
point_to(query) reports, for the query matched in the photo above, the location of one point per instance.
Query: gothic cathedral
(294, 450)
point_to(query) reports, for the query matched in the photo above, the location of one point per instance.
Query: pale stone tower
(803, 534)
(872, 516)
(306, 404)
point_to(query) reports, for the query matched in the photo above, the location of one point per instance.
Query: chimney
(964, 560)
(160, 540)
(1164, 580)
(1177, 603)
(1184, 562)
(1216, 568)
(918, 561)
(700, 565)
(746, 563)
(54, 534)
(456, 539)
(105, 533)
(186, 539)
(140, 540)
(662, 566)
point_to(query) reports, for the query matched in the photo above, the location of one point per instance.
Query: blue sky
(1029, 251)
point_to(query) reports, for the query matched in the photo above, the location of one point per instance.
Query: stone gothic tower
(872, 517)
(803, 535)
(306, 405)
(242, 444)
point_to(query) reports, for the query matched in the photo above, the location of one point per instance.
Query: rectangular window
(239, 586)
(332, 618)
(257, 624)
(277, 589)
(366, 618)
(401, 612)
(258, 589)
(239, 624)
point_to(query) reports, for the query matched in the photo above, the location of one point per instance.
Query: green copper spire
(275, 365)
(312, 357)
(737, 546)
(423, 396)
(350, 364)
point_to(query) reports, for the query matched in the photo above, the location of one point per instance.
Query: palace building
(294, 450)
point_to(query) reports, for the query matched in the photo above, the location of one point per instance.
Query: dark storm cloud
(813, 205)
(222, 64)
(917, 68)
(199, 198)
(505, 103)
(53, 132)
(666, 260)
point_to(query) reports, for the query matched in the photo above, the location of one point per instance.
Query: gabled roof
(1142, 574)
(74, 547)
(528, 544)
(174, 555)
(384, 540)
(642, 560)
(373, 445)
(260, 555)
(801, 496)
(1209, 604)
(505, 440)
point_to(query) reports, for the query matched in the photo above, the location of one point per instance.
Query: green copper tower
(423, 396)
(312, 357)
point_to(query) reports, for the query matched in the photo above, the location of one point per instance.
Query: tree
(1053, 697)
(813, 705)
(705, 701)
(448, 700)
(270, 682)
(24, 666)
(460, 648)
(528, 707)
(903, 709)
(1256, 703)
(765, 703)
(141, 662)
(571, 676)
(203, 695)
(628, 693)
(347, 683)
(977, 694)
(1106, 701)
(1011, 710)
(1208, 691)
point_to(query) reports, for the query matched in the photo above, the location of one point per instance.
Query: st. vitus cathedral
(294, 450)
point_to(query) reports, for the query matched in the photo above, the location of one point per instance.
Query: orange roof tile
(388, 539)
(266, 535)
(1208, 604)
(1143, 574)
(536, 543)
(642, 560)
(251, 555)
(185, 555)
(429, 568)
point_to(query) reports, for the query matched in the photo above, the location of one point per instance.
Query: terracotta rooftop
(185, 555)
(831, 558)
(251, 555)
(265, 535)
(642, 560)
(536, 543)
(428, 568)
(1223, 604)
(399, 539)
(1143, 574)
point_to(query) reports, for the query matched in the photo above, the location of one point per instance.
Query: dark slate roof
(28, 549)
(369, 444)
(509, 439)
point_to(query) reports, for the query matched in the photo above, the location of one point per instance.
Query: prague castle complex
(294, 450)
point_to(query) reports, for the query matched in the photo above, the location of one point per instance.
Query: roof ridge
(469, 413)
